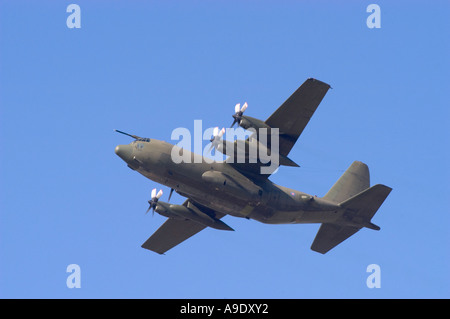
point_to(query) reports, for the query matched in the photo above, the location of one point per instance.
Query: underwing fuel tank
(192, 213)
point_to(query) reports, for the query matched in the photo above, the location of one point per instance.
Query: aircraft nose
(124, 152)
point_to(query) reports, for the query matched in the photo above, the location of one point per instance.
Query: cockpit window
(143, 139)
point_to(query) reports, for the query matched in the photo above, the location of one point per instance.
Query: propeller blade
(217, 135)
(170, 194)
(222, 131)
(238, 111)
(154, 200)
(152, 206)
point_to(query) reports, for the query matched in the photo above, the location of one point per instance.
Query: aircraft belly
(295, 217)
(225, 204)
(240, 206)
(207, 196)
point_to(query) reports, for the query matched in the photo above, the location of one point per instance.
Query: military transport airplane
(221, 188)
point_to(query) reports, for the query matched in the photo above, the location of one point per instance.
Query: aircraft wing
(291, 119)
(174, 232)
(294, 114)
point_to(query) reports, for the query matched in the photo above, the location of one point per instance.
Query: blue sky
(148, 67)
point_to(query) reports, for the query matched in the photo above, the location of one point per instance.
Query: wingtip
(316, 80)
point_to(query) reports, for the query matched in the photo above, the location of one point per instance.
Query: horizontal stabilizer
(357, 213)
(331, 235)
(361, 207)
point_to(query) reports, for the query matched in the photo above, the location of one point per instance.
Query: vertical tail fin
(354, 180)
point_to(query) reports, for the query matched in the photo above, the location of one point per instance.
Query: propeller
(238, 113)
(217, 135)
(154, 200)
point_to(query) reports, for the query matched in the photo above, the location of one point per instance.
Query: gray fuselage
(219, 186)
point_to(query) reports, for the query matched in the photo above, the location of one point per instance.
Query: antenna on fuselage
(131, 135)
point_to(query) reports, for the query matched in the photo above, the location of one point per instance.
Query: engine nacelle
(247, 122)
(191, 213)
